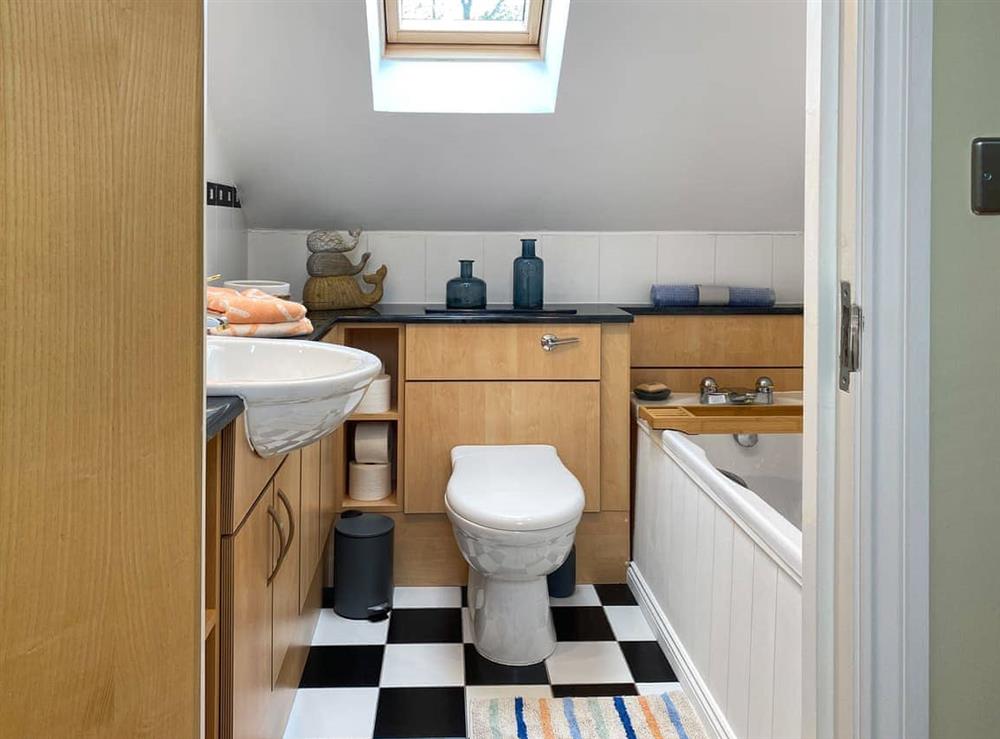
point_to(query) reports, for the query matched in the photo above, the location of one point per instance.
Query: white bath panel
(717, 579)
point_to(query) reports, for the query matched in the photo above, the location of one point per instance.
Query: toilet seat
(523, 487)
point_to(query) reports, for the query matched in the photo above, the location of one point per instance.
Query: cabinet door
(246, 673)
(309, 520)
(564, 414)
(285, 582)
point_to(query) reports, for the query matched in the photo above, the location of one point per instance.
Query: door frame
(890, 536)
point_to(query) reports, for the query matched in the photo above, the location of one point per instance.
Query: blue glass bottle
(465, 291)
(529, 277)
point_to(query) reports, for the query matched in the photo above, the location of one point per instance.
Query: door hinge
(851, 325)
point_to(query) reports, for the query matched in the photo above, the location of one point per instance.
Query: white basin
(295, 392)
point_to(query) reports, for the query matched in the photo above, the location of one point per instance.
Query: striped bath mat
(667, 716)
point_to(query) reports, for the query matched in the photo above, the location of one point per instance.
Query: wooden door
(285, 601)
(248, 560)
(310, 547)
(101, 441)
(564, 414)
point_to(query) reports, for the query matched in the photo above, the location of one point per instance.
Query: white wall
(579, 266)
(672, 115)
(225, 230)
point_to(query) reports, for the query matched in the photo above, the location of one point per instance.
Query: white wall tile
(685, 259)
(579, 267)
(627, 267)
(443, 252)
(572, 264)
(788, 267)
(499, 252)
(405, 256)
(743, 260)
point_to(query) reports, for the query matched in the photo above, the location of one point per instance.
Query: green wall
(965, 382)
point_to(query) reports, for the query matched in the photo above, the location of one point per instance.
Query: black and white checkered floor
(411, 676)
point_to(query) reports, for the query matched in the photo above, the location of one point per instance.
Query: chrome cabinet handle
(281, 540)
(551, 341)
(286, 544)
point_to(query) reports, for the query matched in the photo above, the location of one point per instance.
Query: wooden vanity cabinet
(270, 582)
(496, 384)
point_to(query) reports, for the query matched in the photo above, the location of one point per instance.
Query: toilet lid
(513, 488)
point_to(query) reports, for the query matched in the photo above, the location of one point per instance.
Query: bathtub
(717, 568)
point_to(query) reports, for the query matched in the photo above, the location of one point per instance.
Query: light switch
(986, 176)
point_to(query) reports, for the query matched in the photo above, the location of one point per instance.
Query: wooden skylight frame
(526, 43)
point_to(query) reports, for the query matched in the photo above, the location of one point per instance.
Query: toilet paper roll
(369, 481)
(373, 442)
(378, 396)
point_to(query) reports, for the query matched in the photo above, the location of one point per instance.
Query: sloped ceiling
(672, 115)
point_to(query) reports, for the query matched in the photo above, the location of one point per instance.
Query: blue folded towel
(751, 297)
(680, 296)
(673, 295)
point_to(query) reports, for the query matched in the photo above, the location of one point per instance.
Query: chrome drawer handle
(551, 341)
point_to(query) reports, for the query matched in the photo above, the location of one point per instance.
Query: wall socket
(986, 176)
(222, 195)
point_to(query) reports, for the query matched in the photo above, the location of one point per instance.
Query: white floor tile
(334, 629)
(657, 688)
(628, 623)
(583, 663)
(423, 665)
(585, 595)
(466, 626)
(427, 598)
(325, 713)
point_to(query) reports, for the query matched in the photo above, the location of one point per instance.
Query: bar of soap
(651, 391)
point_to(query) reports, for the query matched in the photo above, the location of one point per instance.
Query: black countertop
(220, 412)
(787, 309)
(415, 313)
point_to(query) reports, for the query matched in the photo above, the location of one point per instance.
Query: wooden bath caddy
(725, 419)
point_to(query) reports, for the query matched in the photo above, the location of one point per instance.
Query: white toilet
(514, 510)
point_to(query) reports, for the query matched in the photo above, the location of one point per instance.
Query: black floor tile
(343, 667)
(615, 595)
(426, 626)
(593, 691)
(465, 596)
(481, 671)
(420, 712)
(647, 662)
(582, 623)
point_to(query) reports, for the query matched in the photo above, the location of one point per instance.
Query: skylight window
(466, 56)
(463, 27)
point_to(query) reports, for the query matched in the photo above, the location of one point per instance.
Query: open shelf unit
(384, 340)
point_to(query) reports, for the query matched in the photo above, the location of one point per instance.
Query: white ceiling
(672, 115)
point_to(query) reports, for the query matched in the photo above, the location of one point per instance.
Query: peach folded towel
(265, 330)
(253, 306)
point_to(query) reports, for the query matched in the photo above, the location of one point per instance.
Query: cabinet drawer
(564, 414)
(502, 352)
(249, 475)
(717, 341)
